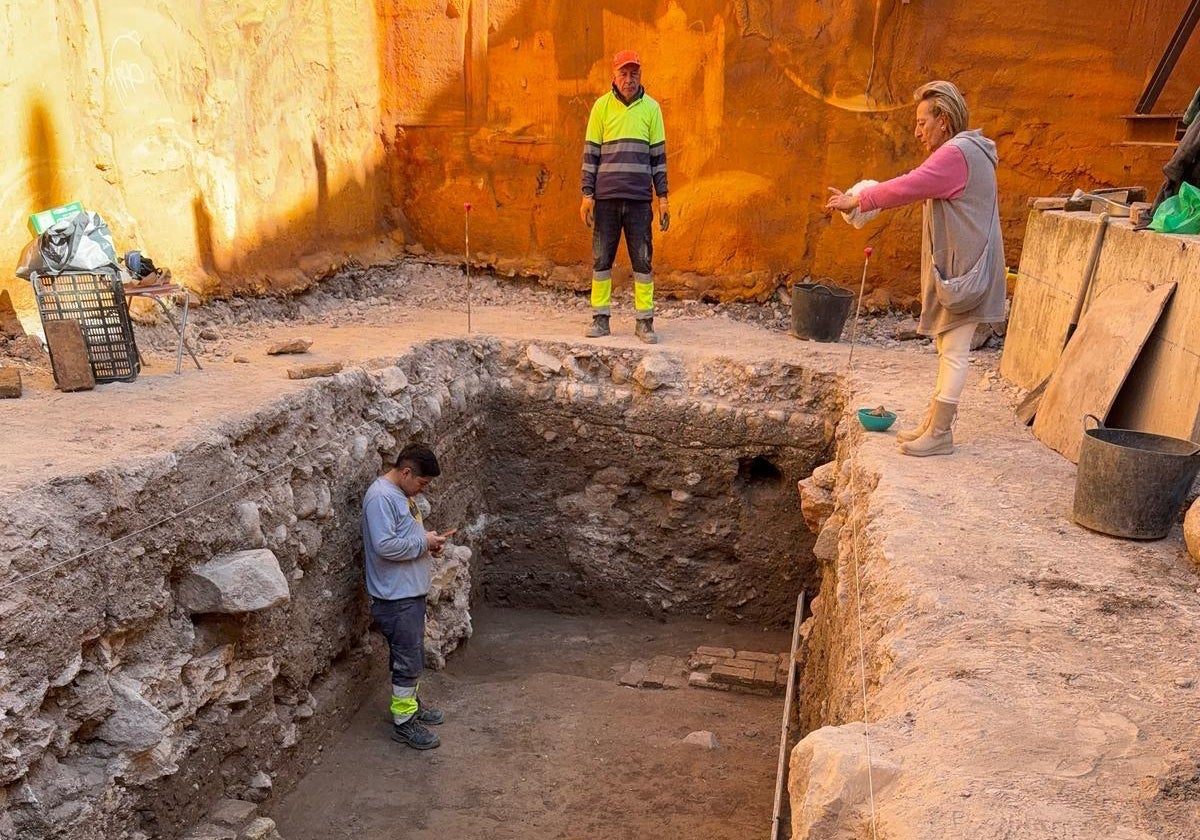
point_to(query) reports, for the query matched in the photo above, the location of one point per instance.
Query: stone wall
(128, 706)
(641, 484)
(217, 639)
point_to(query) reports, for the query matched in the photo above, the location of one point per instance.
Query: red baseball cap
(625, 57)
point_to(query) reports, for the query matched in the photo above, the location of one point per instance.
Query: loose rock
(291, 345)
(702, 738)
(313, 371)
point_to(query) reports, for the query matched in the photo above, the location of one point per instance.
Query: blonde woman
(960, 242)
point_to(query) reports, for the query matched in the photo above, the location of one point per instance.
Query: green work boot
(644, 329)
(599, 327)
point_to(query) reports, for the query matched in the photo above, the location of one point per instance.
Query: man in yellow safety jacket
(624, 166)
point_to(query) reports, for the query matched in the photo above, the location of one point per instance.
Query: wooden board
(1096, 362)
(1054, 258)
(69, 356)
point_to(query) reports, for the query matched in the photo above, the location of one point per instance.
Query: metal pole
(867, 252)
(787, 718)
(467, 245)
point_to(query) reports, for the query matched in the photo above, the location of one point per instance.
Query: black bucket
(819, 312)
(1132, 484)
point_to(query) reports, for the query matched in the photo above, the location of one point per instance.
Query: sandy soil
(541, 741)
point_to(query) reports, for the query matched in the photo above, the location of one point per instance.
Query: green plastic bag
(1180, 213)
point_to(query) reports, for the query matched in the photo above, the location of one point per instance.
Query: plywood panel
(1054, 257)
(1097, 360)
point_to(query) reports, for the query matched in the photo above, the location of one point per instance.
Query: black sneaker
(411, 732)
(428, 716)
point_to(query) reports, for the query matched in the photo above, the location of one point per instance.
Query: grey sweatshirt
(956, 233)
(394, 548)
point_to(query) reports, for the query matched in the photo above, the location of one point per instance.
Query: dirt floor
(541, 741)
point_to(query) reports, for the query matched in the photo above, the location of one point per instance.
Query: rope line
(170, 517)
(862, 656)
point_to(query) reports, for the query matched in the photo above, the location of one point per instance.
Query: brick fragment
(653, 679)
(757, 656)
(10, 383)
(764, 674)
(675, 682)
(699, 679)
(733, 674)
(68, 356)
(719, 653)
(635, 675)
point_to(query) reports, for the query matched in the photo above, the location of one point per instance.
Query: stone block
(391, 380)
(10, 383)
(244, 581)
(1191, 530)
(232, 813)
(825, 476)
(675, 682)
(542, 362)
(262, 828)
(68, 356)
(313, 371)
(134, 725)
(816, 503)
(657, 371)
(826, 546)
(715, 652)
(290, 345)
(828, 783)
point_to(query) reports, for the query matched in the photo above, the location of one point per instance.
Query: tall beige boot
(939, 437)
(914, 433)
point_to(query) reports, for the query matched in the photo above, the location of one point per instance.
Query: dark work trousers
(612, 217)
(402, 623)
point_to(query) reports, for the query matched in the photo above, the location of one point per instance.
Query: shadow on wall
(41, 147)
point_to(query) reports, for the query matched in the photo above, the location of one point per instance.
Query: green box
(39, 222)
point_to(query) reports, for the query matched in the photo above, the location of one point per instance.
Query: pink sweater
(942, 175)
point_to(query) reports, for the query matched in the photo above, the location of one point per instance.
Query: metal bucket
(1132, 484)
(819, 312)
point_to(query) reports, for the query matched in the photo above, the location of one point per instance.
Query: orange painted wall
(252, 145)
(766, 105)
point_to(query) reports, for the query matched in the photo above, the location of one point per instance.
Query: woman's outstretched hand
(841, 201)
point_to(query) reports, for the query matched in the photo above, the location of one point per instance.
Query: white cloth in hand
(857, 217)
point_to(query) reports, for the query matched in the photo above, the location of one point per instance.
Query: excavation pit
(589, 482)
(1023, 678)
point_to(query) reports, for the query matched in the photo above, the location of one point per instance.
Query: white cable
(862, 657)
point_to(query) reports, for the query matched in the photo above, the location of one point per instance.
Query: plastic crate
(97, 302)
